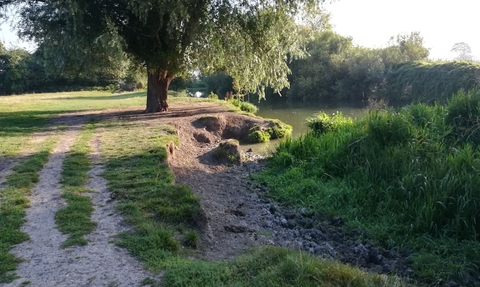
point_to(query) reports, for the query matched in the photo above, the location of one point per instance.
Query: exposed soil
(238, 215)
(100, 263)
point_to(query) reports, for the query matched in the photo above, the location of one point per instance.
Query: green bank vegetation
(273, 267)
(164, 216)
(408, 176)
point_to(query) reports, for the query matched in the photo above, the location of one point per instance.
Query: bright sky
(371, 23)
(441, 23)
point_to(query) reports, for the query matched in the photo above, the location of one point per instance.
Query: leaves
(248, 40)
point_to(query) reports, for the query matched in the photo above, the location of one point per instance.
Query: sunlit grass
(161, 212)
(274, 267)
(14, 200)
(74, 218)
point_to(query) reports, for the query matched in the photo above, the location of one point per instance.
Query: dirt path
(99, 263)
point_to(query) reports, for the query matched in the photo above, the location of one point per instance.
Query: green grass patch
(74, 219)
(13, 201)
(275, 267)
(408, 176)
(163, 214)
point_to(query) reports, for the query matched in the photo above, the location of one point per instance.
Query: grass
(275, 267)
(164, 214)
(407, 176)
(74, 219)
(14, 200)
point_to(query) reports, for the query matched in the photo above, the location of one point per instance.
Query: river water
(296, 117)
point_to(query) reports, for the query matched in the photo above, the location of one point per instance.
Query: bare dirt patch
(237, 213)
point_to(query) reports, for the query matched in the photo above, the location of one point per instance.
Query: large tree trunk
(157, 89)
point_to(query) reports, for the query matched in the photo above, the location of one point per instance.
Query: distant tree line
(334, 69)
(337, 70)
(23, 72)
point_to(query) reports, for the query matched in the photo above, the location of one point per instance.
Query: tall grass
(274, 267)
(410, 176)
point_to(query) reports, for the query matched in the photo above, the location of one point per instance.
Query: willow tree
(249, 40)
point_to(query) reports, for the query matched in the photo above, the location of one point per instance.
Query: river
(296, 117)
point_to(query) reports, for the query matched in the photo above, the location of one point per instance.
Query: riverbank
(407, 176)
(181, 233)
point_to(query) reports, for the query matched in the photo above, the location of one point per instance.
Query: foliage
(336, 69)
(322, 123)
(212, 96)
(463, 51)
(278, 129)
(243, 106)
(430, 81)
(23, 72)
(273, 266)
(171, 39)
(257, 134)
(408, 176)
(218, 83)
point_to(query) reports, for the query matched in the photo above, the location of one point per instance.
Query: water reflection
(295, 116)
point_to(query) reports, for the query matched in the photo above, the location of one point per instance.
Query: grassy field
(163, 214)
(409, 177)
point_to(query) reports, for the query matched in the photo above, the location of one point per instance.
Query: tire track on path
(100, 263)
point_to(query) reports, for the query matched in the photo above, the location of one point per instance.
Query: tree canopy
(249, 40)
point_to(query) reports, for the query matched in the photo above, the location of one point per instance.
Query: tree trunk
(157, 89)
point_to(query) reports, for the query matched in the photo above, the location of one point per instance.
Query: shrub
(463, 116)
(322, 123)
(388, 127)
(212, 96)
(248, 107)
(279, 130)
(258, 135)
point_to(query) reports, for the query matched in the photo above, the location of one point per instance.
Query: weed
(191, 239)
(148, 281)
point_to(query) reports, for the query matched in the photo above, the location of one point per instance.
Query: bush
(279, 130)
(212, 96)
(388, 127)
(322, 123)
(463, 115)
(248, 107)
(258, 135)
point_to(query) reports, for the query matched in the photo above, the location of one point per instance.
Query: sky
(371, 23)
(441, 23)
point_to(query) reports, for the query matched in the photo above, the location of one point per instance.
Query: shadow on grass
(25, 122)
(103, 98)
